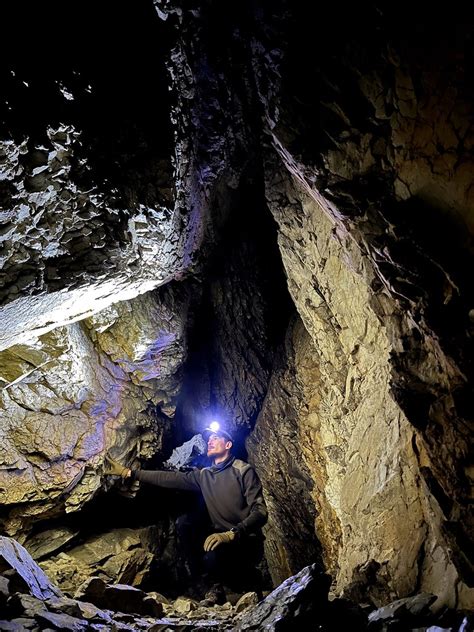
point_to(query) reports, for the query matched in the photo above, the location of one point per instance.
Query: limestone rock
(184, 606)
(57, 429)
(188, 453)
(361, 146)
(295, 602)
(117, 555)
(341, 370)
(248, 600)
(146, 338)
(47, 283)
(49, 541)
(14, 556)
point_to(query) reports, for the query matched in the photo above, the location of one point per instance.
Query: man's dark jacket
(231, 490)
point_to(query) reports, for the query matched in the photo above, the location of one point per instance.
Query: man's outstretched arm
(175, 480)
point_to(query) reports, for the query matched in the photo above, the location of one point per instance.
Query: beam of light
(214, 426)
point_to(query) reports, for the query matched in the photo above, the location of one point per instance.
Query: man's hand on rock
(216, 539)
(114, 468)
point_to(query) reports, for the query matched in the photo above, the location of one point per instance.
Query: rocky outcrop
(355, 441)
(67, 252)
(80, 390)
(380, 294)
(120, 555)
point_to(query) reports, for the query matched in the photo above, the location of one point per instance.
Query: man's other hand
(216, 539)
(114, 468)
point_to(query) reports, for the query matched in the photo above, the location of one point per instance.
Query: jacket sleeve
(252, 489)
(188, 481)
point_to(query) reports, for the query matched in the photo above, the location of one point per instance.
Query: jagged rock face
(276, 448)
(330, 411)
(86, 192)
(68, 400)
(243, 312)
(376, 295)
(361, 146)
(374, 290)
(121, 555)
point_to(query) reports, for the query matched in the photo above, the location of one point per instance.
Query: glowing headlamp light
(214, 426)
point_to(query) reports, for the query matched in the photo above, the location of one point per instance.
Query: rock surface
(56, 429)
(15, 557)
(347, 160)
(120, 555)
(301, 600)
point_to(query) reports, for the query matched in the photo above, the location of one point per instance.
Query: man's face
(217, 446)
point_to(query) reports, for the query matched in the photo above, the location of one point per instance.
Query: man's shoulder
(241, 466)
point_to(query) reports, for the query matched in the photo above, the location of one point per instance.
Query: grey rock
(4, 591)
(18, 558)
(11, 626)
(296, 603)
(187, 453)
(76, 608)
(25, 605)
(152, 606)
(48, 542)
(127, 599)
(409, 607)
(26, 623)
(91, 590)
(60, 621)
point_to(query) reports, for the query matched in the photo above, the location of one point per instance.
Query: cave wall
(376, 520)
(388, 314)
(110, 381)
(348, 160)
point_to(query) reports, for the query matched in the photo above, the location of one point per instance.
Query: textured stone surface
(48, 542)
(81, 390)
(301, 600)
(16, 557)
(249, 600)
(109, 254)
(119, 555)
(370, 499)
(275, 446)
(293, 603)
(362, 144)
(186, 454)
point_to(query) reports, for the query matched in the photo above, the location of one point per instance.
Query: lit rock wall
(376, 240)
(380, 529)
(66, 402)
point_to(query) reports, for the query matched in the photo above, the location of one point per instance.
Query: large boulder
(119, 555)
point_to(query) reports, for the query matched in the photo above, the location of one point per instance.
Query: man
(230, 533)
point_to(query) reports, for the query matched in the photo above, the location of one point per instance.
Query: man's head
(219, 445)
